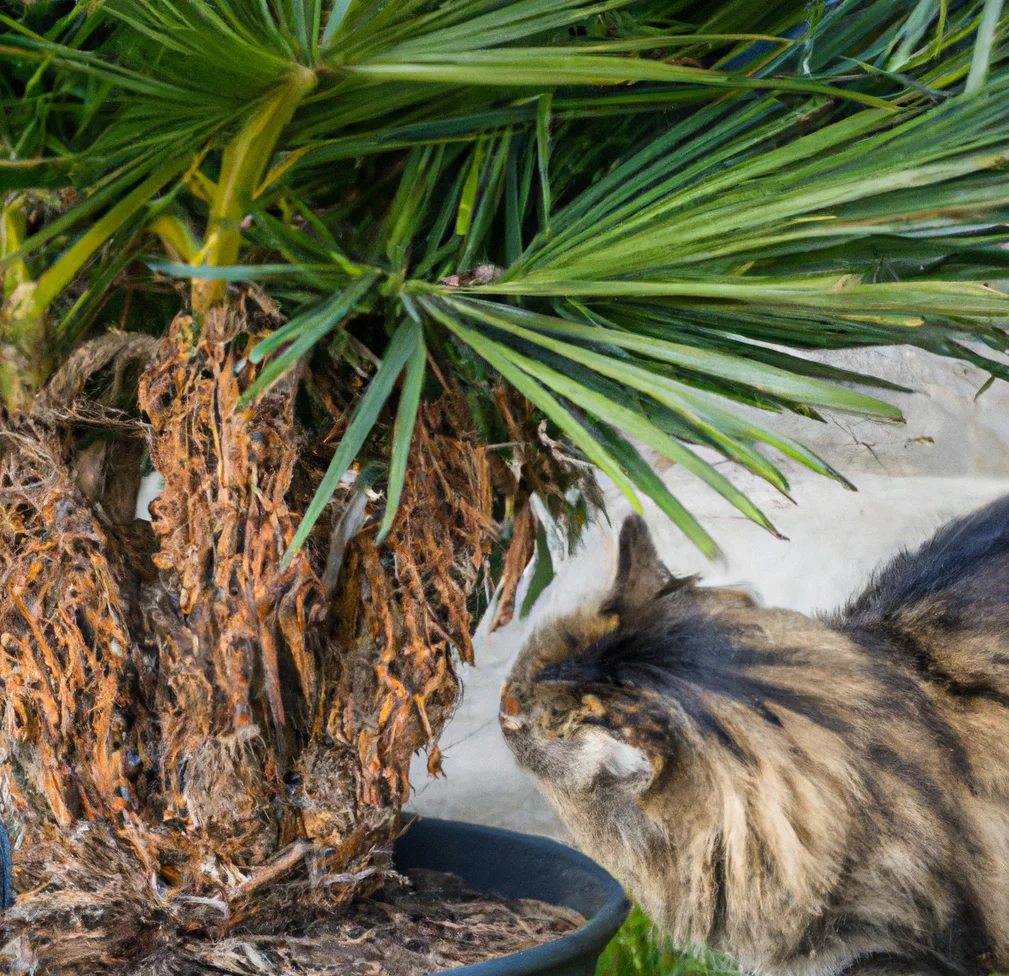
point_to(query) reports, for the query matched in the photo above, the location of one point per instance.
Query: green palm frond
(659, 200)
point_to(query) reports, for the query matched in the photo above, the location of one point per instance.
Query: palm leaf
(404, 342)
(668, 193)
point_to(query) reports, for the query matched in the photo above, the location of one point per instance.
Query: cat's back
(945, 606)
(942, 611)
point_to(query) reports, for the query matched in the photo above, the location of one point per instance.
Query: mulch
(424, 923)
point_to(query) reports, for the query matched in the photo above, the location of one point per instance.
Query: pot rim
(593, 936)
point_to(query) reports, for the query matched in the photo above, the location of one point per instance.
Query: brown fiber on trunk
(216, 748)
(68, 674)
(64, 643)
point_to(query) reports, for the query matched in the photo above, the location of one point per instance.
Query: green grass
(639, 949)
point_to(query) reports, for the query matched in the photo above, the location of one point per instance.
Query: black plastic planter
(519, 866)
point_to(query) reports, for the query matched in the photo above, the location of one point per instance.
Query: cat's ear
(641, 575)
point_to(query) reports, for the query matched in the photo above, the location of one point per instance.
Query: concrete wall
(951, 456)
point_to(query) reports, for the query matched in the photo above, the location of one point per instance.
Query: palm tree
(376, 286)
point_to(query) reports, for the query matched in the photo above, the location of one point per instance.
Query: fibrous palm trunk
(199, 741)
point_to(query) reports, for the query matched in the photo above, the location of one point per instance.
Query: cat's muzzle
(509, 715)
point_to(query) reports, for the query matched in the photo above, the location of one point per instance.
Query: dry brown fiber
(198, 743)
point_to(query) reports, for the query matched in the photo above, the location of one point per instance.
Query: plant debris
(423, 924)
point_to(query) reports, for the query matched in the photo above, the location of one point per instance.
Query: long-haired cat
(811, 795)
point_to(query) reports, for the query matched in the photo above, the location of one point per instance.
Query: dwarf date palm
(377, 287)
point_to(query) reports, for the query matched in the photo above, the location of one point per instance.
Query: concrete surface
(950, 457)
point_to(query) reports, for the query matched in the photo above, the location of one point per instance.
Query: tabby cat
(811, 795)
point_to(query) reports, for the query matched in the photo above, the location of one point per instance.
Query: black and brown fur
(812, 795)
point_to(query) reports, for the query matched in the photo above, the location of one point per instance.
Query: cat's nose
(508, 716)
(511, 723)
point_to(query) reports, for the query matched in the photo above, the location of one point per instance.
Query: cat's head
(578, 711)
(660, 671)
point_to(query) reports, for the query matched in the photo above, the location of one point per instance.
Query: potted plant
(376, 288)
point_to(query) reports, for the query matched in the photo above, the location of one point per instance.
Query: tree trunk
(199, 741)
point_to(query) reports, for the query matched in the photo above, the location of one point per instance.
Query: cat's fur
(813, 796)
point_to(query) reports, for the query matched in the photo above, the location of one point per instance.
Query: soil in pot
(423, 923)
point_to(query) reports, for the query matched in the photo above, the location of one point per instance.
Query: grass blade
(543, 574)
(617, 415)
(401, 348)
(500, 360)
(543, 154)
(305, 331)
(469, 190)
(636, 424)
(653, 486)
(406, 418)
(983, 46)
(759, 376)
(63, 271)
